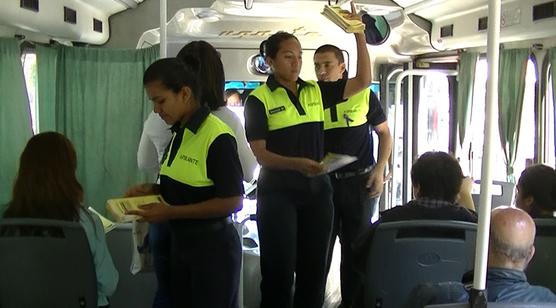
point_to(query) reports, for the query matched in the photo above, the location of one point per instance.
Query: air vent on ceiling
(32, 5)
(544, 10)
(482, 24)
(97, 25)
(70, 15)
(447, 31)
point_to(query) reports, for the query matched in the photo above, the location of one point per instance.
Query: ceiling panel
(111, 6)
(406, 3)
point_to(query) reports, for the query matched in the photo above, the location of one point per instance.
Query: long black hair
(173, 74)
(205, 60)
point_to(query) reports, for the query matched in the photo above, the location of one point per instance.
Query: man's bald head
(512, 235)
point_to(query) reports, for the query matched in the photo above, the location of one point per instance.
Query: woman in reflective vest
(284, 126)
(201, 182)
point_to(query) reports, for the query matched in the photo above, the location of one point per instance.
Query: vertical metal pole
(163, 35)
(491, 120)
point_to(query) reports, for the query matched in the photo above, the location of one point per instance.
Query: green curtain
(46, 83)
(100, 104)
(466, 78)
(15, 116)
(511, 88)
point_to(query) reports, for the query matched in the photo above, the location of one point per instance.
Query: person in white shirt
(155, 137)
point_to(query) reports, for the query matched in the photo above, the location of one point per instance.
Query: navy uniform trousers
(294, 219)
(353, 210)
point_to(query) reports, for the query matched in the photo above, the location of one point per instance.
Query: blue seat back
(45, 263)
(502, 194)
(542, 268)
(135, 291)
(407, 253)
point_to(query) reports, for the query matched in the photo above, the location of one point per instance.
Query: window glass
(29, 63)
(526, 147)
(434, 114)
(472, 153)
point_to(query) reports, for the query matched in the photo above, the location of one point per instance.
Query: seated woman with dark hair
(536, 191)
(46, 187)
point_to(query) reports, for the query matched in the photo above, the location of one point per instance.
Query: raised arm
(363, 77)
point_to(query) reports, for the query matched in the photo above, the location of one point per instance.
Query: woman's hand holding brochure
(153, 212)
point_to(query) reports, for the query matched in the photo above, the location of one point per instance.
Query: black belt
(210, 225)
(349, 174)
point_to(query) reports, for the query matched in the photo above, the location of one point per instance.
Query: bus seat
(45, 263)
(495, 305)
(502, 193)
(135, 291)
(542, 268)
(407, 253)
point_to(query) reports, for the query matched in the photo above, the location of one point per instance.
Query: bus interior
(429, 69)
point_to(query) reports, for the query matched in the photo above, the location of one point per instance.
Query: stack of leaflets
(341, 18)
(107, 224)
(119, 208)
(333, 161)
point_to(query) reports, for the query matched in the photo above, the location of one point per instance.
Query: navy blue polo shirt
(302, 140)
(223, 167)
(356, 140)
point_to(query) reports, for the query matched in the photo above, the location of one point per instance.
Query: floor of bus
(333, 294)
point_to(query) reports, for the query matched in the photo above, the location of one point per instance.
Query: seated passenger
(233, 98)
(511, 247)
(438, 187)
(46, 187)
(536, 191)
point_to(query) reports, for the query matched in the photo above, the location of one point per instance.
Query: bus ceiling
(405, 27)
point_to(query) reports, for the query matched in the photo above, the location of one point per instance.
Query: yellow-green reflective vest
(190, 163)
(281, 112)
(350, 113)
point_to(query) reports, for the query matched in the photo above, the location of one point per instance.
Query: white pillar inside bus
(493, 51)
(390, 185)
(397, 103)
(163, 35)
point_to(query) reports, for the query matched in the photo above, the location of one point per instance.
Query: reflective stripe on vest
(190, 164)
(281, 112)
(352, 112)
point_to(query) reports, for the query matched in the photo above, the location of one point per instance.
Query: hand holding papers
(119, 208)
(350, 22)
(333, 161)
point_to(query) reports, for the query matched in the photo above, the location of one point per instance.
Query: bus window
(29, 63)
(526, 146)
(472, 152)
(434, 114)
(243, 88)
